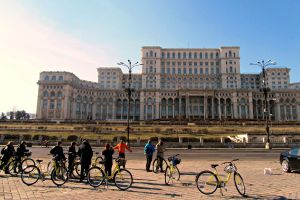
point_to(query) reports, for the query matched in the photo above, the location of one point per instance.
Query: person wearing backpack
(148, 151)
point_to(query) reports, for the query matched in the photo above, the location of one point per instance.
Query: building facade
(175, 84)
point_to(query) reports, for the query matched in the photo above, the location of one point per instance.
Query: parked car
(290, 160)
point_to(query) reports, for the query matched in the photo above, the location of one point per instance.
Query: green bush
(27, 137)
(11, 137)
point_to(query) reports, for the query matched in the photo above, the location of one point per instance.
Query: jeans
(149, 160)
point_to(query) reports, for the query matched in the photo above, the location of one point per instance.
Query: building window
(46, 78)
(179, 55)
(190, 71)
(201, 70)
(211, 55)
(200, 55)
(168, 70)
(206, 63)
(217, 55)
(53, 78)
(195, 55)
(52, 104)
(173, 71)
(173, 55)
(46, 94)
(195, 63)
(162, 70)
(179, 71)
(184, 55)
(195, 71)
(163, 55)
(201, 63)
(184, 70)
(206, 70)
(45, 104)
(168, 55)
(190, 55)
(206, 55)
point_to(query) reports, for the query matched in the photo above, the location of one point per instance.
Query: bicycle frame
(225, 181)
(116, 169)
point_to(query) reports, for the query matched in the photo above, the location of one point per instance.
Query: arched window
(151, 53)
(147, 54)
(200, 55)
(184, 55)
(52, 94)
(211, 55)
(230, 54)
(195, 55)
(46, 78)
(59, 94)
(190, 55)
(179, 55)
(217, 55)
(230, 69)
(60, 78)
(53, 78)
(206, 55)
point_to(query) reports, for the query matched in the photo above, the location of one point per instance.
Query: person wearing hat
(108, 159)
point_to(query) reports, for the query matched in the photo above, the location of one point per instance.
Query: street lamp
(265, 89)
(129, 90)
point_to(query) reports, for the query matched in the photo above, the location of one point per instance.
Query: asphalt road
(189, 154)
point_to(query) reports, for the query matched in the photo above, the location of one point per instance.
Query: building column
(250, 106)
(187, 103)
(94, 110)
(219, 104)
(256, 110)
(142, 106)
(179, 108)
(205, 105)
(298, 111)
(173, 108)
(167, 109)
(285, 117)
(235, 106)
(213, 107)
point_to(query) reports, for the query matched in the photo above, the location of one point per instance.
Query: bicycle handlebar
(229, 162)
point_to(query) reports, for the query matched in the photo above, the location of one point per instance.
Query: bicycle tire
(30, 171)
(77, 169)
(121, 177)
(95, 176)
(98, 160)
(214, 183)
(60, 173)
(170, 175)
(239, 184)
(13, 167)
(155, 166)
(26, 162)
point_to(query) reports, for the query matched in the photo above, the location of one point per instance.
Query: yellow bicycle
(209, 181)
(32, 173)
(121, 177)
(172, 172)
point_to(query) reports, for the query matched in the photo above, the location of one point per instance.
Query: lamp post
(128, 90)
(265, 90)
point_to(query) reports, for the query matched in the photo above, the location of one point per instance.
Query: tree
(3, 116)
(11, 115)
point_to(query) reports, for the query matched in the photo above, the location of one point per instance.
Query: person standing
(58, 152)
(148, 151)
(72, 156)
(160, 147)
(121, 147)
(108, 159)
(86, 153)
(8, 151)
(21, 151)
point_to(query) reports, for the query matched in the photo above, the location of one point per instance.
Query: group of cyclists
(85, 154)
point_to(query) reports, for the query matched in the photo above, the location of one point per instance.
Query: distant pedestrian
(148, 151)
(108, 158)
(86, 153)
(160, 147)
(71, 157)
(121, 147)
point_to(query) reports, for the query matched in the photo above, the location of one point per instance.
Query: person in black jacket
(58, 152)
(21, 152)
(8, 151)
(86, 153)
(108, 159)
(72, 155)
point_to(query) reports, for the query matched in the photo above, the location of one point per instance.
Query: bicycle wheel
(26, 162)
(123, 179)
(30, 175)
(239, 184)
(156, 167)
(172, 173)
(95, 176)
(49, 167)
(77, 169)
(59, 176)
(207, 182)
(12, 167)
(98, 160)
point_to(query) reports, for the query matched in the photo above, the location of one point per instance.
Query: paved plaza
(151, 186)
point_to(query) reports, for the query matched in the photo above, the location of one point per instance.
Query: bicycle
(172, 172)
(16, 166)
(32, 173)
(209, 181)
(155, 165)
(77, 164)
(122, 178)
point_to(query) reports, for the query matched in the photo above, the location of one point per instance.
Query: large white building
(175, 84)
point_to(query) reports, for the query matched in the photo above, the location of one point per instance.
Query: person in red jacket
(121, 147)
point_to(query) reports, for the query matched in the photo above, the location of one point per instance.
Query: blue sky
(79, 36)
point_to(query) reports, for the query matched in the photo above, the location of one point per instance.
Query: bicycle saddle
(39, 161)
(214, 165)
